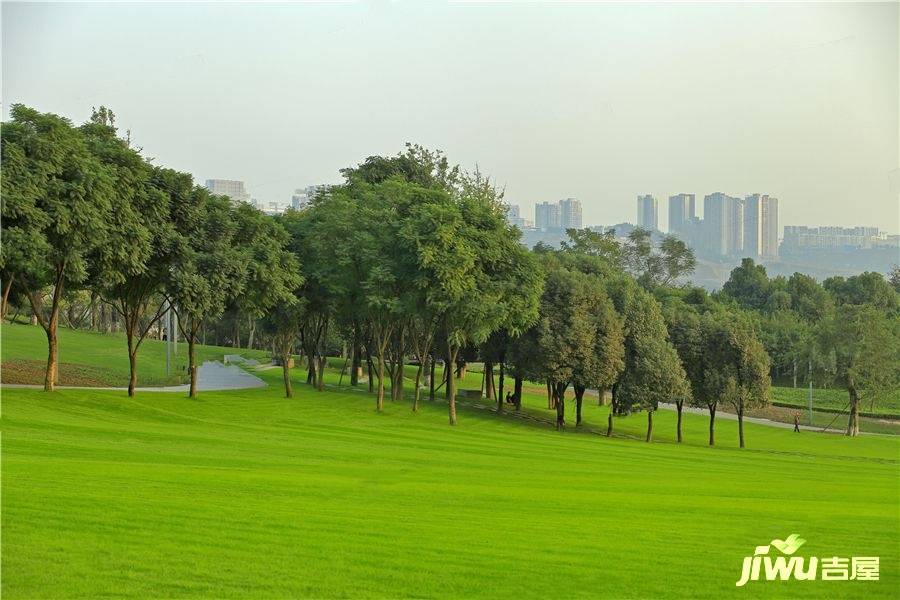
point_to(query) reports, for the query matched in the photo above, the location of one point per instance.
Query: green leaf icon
(789, 545)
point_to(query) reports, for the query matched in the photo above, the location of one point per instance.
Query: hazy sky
(597, 101)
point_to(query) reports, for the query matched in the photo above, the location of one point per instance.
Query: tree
(467, 262)
(659, 266)
(208, 268)
(683, 323)
(653, 371)
(607, 359)
(808, 299)
(865, 288)
(66, 195)
(737, 367)
(25, 249)
(894, 278)
(863, 344)
(565, 335)
(129, 271)
(748, 285)
(271, 271)
(282, 323)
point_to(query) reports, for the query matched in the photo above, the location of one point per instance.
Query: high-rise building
(799, 238)
(228, 187)
(682, 209)
(647, 213)
(303, 197)
(570, 213)
(546, 215)
(760, 226)
(723, 224)
(514, 217)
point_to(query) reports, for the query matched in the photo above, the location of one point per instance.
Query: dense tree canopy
(411, 260)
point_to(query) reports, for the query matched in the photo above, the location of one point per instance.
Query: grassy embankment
(245, 493)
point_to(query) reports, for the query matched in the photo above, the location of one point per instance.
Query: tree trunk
(379, 400)
(132, 379)
(320, 377)
(355, 364)
(419, 370)
(452, 352)
(853, 422)
(559, 398)
(252, 332)
(286, 373)
(51, 376)
(712, 425)
(311, 369)
(500, 399)
(371, 375)
(550, 405)
(679, 405)
(52, 358)
(579, 395)
(132, 358)
(4, 306)
(192, 364)
(461, 370)
(740, 416)
(609, 424)
(489, 380)
(397, 381)
(649, 424)
(431, 383)
(517, 392)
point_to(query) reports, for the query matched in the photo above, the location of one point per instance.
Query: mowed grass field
(249, 494)
(90, 358)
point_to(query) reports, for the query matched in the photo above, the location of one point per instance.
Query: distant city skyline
(596, 101)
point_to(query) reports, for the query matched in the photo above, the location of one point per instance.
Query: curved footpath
(212, 376)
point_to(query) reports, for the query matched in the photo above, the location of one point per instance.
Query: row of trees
(83, 210)
(844, 331)
(411, 260)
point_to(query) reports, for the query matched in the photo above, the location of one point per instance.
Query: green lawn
(834, 399)
(96, 359)
(249, 494)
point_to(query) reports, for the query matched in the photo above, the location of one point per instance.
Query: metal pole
(809, 376)
(174, 331)
(168, 340)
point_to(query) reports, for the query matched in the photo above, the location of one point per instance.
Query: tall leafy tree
(130, 270)
(653, 372)
(271, 270)
(737, 367)
(749, 285)
(865, 288)
(208, 269)
(862, 346)
(61, 208)
(684, 325)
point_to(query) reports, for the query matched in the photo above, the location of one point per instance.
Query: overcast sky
(597, 101)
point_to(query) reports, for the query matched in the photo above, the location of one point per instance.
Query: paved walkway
(733, 417)
(212, 376)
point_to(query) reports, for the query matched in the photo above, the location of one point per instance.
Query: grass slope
(96, 359)
(249, 494)
(834, 399)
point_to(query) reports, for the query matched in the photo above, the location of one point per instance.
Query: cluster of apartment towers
(730, 227)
